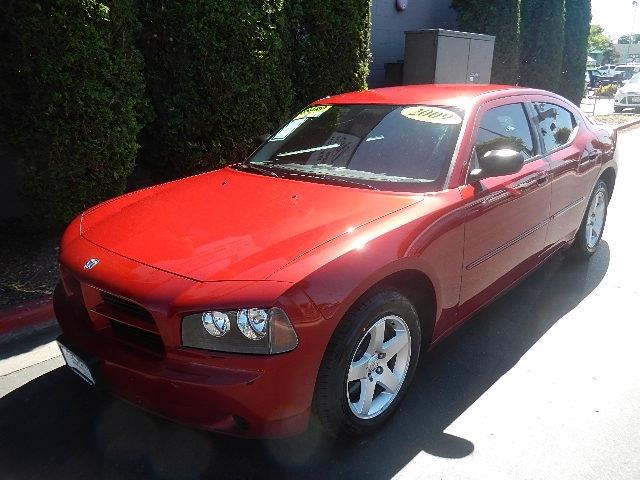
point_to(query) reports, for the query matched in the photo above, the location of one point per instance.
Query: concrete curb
(624, 126)
(26, 318)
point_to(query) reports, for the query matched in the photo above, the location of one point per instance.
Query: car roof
(428, 94)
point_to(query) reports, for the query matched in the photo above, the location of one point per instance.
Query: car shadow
(19, 345)
(56, 427)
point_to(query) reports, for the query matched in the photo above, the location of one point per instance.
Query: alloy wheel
(595, 220)
(378, 367)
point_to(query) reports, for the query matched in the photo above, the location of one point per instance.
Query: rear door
(573, 164)
(506, 217)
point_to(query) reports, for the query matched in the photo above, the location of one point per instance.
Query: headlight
(216, 323)
(248, 330)
(253, 323)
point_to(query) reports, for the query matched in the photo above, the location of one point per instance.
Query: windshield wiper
(340, 180)
(254, 167)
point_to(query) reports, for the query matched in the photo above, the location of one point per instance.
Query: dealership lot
(543, 384)
(600, 106)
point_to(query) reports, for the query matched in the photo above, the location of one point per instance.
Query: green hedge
(500, 18)
(541, 43)
(216, 73)
(329, 41)
(576, 34)
(72, 100)
(220, 72)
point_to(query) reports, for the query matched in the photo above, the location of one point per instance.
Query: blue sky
(616, 16)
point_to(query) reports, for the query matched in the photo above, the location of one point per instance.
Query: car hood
(231, 225)
(634, 88)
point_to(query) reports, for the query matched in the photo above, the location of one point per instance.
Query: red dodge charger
(306, 280)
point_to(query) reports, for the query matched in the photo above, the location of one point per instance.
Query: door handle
(514, 190)
(542, 180)
(591, 157)
(495, 198)
(537, 180)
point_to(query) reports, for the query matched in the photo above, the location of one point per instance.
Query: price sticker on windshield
(313, 111)
(432, 115)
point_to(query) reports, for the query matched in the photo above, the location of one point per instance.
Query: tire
(593, 221)
(617, 109)
(353, 350)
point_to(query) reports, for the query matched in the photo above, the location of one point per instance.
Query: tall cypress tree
(500, 18)
(541, 43)
(576, 36)
(329, 44)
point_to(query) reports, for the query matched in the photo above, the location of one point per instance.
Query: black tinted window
(556, 124)
(375, 144)
(505, 127)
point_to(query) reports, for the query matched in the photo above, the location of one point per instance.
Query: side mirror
(496, 163)
(260, 139)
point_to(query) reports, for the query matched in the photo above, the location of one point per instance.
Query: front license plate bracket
(83, 366)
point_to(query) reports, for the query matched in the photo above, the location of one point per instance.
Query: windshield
(375, 146)
(635, 78)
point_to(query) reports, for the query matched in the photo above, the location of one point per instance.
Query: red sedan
(307, 280)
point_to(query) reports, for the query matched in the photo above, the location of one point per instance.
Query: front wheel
(368, 365)
(590, 231)
(617, 109)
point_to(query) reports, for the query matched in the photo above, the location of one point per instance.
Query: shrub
(73, 96)
(329, 41)
(216, 73)
(500, 18)
(220, 72)
(607, 91)
(576, 34)
(541, 43)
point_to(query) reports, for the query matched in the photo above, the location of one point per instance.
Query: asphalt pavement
(543, 384)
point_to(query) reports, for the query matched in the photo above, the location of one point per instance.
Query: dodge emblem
(92, 262)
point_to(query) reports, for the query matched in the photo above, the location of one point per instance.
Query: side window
(556, 124)
(505, 127)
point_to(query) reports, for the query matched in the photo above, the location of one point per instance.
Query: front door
(507, 217)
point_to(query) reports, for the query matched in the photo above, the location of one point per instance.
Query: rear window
(556, 124)
(383, 146)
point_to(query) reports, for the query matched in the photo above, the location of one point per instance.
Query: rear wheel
(590, 231)
(368, 365)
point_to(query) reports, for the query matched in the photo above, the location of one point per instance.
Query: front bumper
(241, 395)
(205, 397)
(628, 100)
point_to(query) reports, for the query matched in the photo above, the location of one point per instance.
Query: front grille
(72, 286)
(138, 338)
(126, 322)
(127, 306)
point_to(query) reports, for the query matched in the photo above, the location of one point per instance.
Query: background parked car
(607, 70)
(603, 86)
(594, 78)
(625, 72)
(628, 95)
